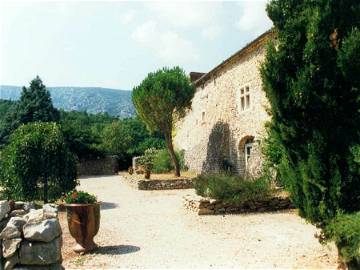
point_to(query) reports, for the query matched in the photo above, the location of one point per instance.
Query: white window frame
(244, 98)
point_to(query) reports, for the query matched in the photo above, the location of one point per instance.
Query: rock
(205, 211)
(11, 261)
(3, 223)
(19, 205)
(18, 222)
(45, 231)
(10, 246)
(40, 253)
(4, 209)
(34, 216)
(10, 232)
(28, 206)
(56, 266)
(18, 212)
(50, 210)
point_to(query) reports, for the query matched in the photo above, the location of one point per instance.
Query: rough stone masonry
(29, 238)
(226, 123)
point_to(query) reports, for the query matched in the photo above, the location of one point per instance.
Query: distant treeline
(94, 135)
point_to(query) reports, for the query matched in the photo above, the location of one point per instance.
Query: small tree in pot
(83, 215)
(147, 161)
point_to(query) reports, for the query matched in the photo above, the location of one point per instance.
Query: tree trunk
(169, 144)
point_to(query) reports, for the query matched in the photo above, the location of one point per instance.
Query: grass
(232, 189)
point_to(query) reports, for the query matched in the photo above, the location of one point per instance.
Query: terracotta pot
(84, 222)
(147, 174)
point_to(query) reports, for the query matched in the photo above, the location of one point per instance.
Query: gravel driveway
(151, 229)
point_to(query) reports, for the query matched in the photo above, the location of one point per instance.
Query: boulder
(18, 222)
(51, 208)
(10, 246)
(34, 216)
(11, 261)
(38, 253)
(19, 205)
(28, 206)
(4, 209)
(18, 212)
(44, 231)
(10, 232)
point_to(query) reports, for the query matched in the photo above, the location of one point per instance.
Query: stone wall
(102, 166)
(30, 239)
(214, 128)
(205, 206)
(154, 184)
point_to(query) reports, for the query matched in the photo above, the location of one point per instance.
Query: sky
(116, 44)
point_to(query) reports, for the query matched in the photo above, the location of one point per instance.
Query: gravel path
(151, 229)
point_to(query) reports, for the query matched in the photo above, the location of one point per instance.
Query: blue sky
(115, 44)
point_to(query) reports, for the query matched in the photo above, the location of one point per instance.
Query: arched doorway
(245, 152)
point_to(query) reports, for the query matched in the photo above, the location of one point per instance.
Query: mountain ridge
(115, 102)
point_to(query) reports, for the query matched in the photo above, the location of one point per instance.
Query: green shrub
(37, 164)
(232, 189)
(162, 162)
(344, 230)
(79, 197)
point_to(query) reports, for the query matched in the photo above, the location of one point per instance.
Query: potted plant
(83, 215)
(147, 161)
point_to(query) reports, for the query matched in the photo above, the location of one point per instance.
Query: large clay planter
(84, 222)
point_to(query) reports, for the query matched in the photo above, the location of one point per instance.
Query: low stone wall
(165, 184)
(103, 166)
(205, 206)
(154, 184)
(30, 239)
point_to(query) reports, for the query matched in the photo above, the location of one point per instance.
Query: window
(245, 98)
(203, 116)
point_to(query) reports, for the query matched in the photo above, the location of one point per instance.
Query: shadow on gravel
(108, 205)
(116, 250)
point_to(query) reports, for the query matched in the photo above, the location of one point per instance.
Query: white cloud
(168, 46)
(196, 16)
(253, 17)
(128, 17)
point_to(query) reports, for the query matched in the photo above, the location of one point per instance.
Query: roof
(195, 75)
(244, 51)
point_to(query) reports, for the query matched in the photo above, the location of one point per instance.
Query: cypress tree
(311, 77)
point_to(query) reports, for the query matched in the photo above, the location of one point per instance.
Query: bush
(37, 164)
(344, 230)
(232, 189)
(162, 162)
(79, 197)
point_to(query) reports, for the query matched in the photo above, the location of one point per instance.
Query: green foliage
(232, 189)
(344, 230)
(310, 80)
(116, 139)
(160, 97)
(37, 164)
(147, 160)
(162, 162)
(79, 197)
(35, 105)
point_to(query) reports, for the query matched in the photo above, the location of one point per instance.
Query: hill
(90, 99)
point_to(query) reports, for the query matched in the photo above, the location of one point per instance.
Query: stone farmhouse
(226, 124)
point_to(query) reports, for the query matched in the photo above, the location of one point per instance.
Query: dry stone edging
(29, 238)
(207, 206)
(154, 184)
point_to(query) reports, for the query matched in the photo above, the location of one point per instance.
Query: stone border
(206, 206)
(153, 184)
